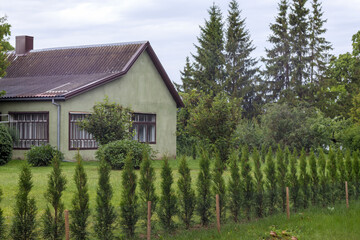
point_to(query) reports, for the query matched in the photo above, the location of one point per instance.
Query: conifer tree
(259, 185)
(204, 196)
(263, 153)
(333, 176)
(219, 184)
(186, 194)
(270, 172)
(323, 178)
(287, 156)
(349, 172)
(356, 173)
(294, 181)
(247, 182)
(234, 187)
(314, 176)
(281, 176)
(80, 203)
(24, 223)
(2, 220)
(304, 179)
(147, 187)
(54, 223)
(105, 212)
(187, 78)
(128, 202)
(168, 202)
(341, 173)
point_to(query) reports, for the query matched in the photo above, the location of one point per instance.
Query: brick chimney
(24, 44)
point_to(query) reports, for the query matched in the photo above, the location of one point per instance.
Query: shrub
(115, 152)
(42, 155)
(247, 182)
(2, 221)
(6, 146)
(234, 187)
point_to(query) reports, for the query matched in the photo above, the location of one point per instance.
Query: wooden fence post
(149, 221)
(347, 194)
(218, 212)
(287, 203)
(67, 230)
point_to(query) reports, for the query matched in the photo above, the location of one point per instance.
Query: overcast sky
(171, 27)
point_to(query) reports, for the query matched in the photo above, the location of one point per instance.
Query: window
(78, 138)
(144, 127)
(32, 128)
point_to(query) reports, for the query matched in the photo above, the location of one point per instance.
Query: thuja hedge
(252, 191)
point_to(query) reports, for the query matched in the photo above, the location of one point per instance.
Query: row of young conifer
(254, 189)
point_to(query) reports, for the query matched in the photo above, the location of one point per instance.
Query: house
(49, 90)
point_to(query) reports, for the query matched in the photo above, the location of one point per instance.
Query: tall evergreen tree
(219, 184)
(294, 181)
(356, 173)
(2, 220)
(314, 176)
(24, 223)
(349, 173)
(234, 187)
(209, 59)
(304, 179)
(333, 175)
(186, 193)
(259, 185)
(271, 182)
(80, 203)
(54, 223)
(247, 182)
(105, 212)
(341, 173)
(281, 176)
(128, 202)
(323, 178)
(187, 78)
(277, 62)
(204, 196)
(241, 70)
(168, 201)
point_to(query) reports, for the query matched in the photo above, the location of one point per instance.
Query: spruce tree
(186, 194)
(356, 173)
(209, 59)
(105, 212)
(323, 178)
(314, 176)
(219, 184)
(294, 181)
(349, 173)
(333, 176)
(277, 72)
(24, 223)
(128, 202)
(234, 187)
(204, 197)
(187, 78)
(247, 183)
(241, 68)
(304, 179)
(168, 201)
(147, 187)
(2, 220)
(281, 176)
(80, 203)
(54, 223)
(259, 185)
(271, 182)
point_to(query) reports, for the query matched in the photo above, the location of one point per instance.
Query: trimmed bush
(6, 146)
(42, 155)
(115, 152)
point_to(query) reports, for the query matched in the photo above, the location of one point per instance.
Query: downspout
(58, 122)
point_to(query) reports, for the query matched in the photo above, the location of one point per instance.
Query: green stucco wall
(142, 89)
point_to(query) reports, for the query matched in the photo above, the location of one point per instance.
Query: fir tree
(24, 223)
(270, 172)
(80, 203)
(241, 68)
(349, 172)
(281, 177)
(209, 60)
(105, 212)
(314, 176)
(259, 185)
(234, 187)
(333, 175)
(247, 183)
(128, 202)
(2, 220)
(186, 194)
(187, 78)
(323, 178)
(356, 173)
(294, 181)
(54, 223)
(168, 202)
(147, 187)
(219, 184)
(304, 179)
(204, 197)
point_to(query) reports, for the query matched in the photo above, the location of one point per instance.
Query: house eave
(19, 99)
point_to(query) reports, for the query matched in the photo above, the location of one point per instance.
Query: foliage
(4, 46)
(108, 122)
(323, 178)
(234, 187)
(43, 155)
(80, 203)
(356, 173)
(114, 153)
(333, 175)
(105, 212)
(6, 145)
(24, 222)
(349, 172)
(314, 177)
(350, 137)
(186, 194)
(304, 179)
(293, 180)
(54, 223)
(128, 203)
(168, 201)
(341, 173)
(2, 220)
(219, 184)
(259, 185)
(250, 133)
(271, 182)
(247, 186)
(281, 170)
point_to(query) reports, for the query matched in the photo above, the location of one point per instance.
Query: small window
(144, 127)
(32, 128)
(78, 138)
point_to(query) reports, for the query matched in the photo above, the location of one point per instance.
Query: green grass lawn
(311, 224)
